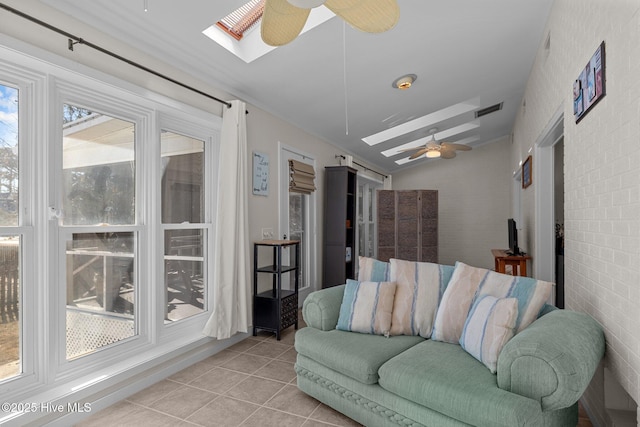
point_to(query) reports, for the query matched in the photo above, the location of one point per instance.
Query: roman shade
(301, 176)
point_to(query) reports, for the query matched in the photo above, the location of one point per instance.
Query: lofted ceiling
(335, 82)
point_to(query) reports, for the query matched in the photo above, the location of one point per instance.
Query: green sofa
(411, 381)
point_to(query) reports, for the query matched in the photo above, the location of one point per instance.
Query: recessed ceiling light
(404, 82)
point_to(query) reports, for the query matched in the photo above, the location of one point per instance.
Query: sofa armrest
(553, 359)
(321, 309)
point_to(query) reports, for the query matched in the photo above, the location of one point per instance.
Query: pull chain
(344, 73)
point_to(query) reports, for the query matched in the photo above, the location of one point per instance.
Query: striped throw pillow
(420, 286)
(366, 307)
(489, 326)
(372, 270)
(469, 283)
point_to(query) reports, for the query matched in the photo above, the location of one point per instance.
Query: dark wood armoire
(338, 256)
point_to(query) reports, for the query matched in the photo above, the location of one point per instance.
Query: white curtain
(231, 277)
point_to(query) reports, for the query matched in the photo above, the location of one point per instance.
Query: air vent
(489, 110)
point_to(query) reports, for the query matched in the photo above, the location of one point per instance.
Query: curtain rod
(73, 40)
(363, 166)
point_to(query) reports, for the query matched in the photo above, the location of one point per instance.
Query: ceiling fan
(283, 20)
(434, 149)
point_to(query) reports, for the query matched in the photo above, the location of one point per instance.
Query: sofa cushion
(420, 286)
(372, 270)
(445, 378)
(489, 326)
(358, 356)
(468, 283)
(366, 307)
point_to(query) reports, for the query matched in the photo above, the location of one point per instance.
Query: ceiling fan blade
(404, 150)
(370, 16)
(281, 22)
(461, 147)
(418, 153)
(447, 154)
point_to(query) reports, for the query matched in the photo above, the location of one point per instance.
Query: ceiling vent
(489, 110)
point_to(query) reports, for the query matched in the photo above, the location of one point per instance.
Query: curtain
(301, 176)
(231, 278)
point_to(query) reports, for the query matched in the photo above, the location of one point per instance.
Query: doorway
(548, 178)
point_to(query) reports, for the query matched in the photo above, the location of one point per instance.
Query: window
(297, 219)
(91, 188)
(242, 19)
(183, 221)
(98, 195)
(10, 241)
(367, 216)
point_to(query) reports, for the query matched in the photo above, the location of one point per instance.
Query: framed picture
(526, 173)
(589, 87)
(260, 174)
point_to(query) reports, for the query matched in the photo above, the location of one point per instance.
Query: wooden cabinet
(275, 309)
(339, 257)
(408, 225)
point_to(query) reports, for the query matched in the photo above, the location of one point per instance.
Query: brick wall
(601, 172)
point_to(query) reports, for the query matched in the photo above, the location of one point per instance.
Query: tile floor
(251, 384)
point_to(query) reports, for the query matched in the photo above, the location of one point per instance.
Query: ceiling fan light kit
(434, 149)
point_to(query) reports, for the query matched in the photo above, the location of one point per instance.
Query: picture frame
(590, 86)
(526, 173)
(260, 182)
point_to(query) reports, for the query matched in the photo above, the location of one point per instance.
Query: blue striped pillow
(490, 325)
(366, 307)
(372, 270)
(420, 286)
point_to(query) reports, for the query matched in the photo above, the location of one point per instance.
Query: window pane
(184, 273)
(297, 226)
(182, 179)
(98, 168)
(8, 156)
(9, 307)
(100, 290)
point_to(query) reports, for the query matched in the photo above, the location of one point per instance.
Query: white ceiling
(476, 52)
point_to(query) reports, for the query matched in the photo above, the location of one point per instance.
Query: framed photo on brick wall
(526, 173)
(589, 87)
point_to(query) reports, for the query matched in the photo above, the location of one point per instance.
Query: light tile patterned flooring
(251, 384)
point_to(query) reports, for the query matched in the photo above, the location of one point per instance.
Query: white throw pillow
(366, 307)
(420, 286)
(469, 283)
(489, 326)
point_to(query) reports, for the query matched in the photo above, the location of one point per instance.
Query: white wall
(474, 193)
(601, 172)
(264, 131)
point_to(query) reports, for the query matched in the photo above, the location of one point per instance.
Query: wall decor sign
(589, 88)
(260, 173)
(526, 173)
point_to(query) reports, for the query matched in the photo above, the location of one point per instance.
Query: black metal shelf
(275, 309)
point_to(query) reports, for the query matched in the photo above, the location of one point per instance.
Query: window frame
(30, 85)
(187, 126)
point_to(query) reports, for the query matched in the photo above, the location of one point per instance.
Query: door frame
(544, 259)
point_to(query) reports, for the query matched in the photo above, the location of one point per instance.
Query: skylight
(242, 19)
(235, 32)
